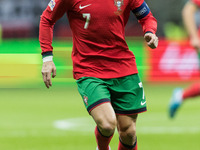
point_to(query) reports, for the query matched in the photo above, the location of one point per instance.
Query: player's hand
(151, 39)
(195, 43)
(48, 68)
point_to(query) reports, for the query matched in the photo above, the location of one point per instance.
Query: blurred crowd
(20, 18)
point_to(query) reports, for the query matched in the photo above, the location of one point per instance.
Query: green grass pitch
(37, 118)
(55, 119)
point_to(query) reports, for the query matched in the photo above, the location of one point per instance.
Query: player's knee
(131, 135)
(107, 127)
(128, 133)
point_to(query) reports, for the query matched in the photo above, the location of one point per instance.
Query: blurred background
(35, 118)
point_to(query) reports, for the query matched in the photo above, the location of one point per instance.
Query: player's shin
(192, 91)
(102, 141)
(123, 146)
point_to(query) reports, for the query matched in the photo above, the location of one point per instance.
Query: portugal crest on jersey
(85, 99)
(118, 4)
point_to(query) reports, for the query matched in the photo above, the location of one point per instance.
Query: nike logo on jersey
(142, 103)
(82, 7)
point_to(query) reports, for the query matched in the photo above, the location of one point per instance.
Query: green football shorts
(125, 94)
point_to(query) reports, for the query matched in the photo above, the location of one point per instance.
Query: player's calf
(127, 132)
(102, 141)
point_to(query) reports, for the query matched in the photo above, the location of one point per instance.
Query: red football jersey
(197, 2)
(99, 47)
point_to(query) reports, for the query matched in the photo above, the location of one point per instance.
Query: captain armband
(141, 11)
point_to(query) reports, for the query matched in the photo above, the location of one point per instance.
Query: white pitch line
(86, 124)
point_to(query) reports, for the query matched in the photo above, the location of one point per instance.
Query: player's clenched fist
(151, 39)
(48, 68)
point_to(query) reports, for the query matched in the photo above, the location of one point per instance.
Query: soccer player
(103, 66)
(179, 94)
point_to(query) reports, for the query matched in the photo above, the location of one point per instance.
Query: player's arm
(55, 10)
(148, 22)
(188, 14)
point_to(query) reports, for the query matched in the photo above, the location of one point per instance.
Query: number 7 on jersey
(87, 16)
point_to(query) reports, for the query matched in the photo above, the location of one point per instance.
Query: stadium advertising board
(173, 61)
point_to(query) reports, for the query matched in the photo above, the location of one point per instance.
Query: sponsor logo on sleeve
(141, 12)
(52, 4)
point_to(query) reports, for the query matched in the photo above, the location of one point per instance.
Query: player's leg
(96, 98)
(192, 91)
(176, 101)
(128, 100)
(179, 95)
(105, 118)
(126, 126)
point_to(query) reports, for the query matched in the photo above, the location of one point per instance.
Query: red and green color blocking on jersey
(99, 46)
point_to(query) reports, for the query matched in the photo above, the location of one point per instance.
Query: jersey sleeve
(135, 3)
(55, 10)
(196, 2)
(144, 16)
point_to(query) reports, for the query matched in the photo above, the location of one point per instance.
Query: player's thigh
(104, 116)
